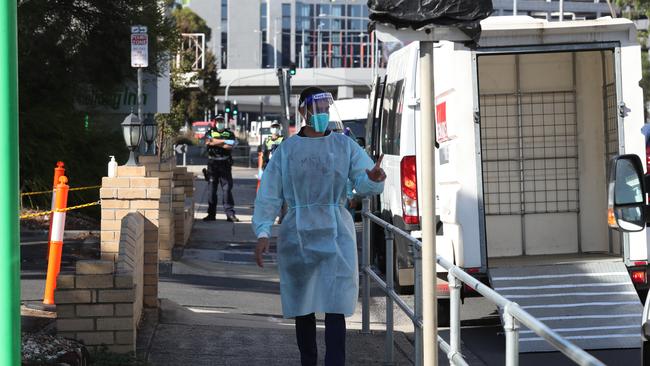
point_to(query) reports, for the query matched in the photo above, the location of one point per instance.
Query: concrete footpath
(218, 308)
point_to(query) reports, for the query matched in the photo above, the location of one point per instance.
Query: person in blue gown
(317, 251)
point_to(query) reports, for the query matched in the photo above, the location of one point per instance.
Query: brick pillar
(163, 170)
(133, 191)
(178, 205)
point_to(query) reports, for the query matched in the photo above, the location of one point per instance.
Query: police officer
(272, 142)
(268, 148)
(220, 142)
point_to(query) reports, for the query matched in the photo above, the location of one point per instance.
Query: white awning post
(427, 199)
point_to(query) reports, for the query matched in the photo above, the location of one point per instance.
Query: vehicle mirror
(361, 142)
(626, 196)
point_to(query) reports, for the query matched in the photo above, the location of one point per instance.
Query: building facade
(259, 34)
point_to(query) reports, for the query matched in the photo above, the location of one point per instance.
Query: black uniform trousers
(220, 174)
(334, 339)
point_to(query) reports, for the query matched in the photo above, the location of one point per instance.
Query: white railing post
(390, 355)
(418, 304)
(365, 265)
(454, 316)
(511, 327)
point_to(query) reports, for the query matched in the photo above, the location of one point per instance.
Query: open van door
(373, 135)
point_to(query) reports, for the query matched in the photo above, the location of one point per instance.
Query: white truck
(525, 125)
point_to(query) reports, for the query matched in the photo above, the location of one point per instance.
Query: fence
(45, 213)
(512, 314)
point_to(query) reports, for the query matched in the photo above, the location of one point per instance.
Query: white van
(353, 113)
(525, 125)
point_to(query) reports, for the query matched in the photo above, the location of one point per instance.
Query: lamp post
(150, 130)
(132, 131)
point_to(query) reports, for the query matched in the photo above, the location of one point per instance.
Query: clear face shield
(318, 109)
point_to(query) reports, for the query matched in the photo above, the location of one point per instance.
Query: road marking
(581, 304)
(572, 294)
(588, 337)
(206, 311)
(636, 326)
(560, 276)
(607, 316)
(499, 289)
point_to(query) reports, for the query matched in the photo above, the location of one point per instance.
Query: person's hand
(352, 203)
(377, 174)
(261, 248)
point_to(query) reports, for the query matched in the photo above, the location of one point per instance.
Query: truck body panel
(525, 124)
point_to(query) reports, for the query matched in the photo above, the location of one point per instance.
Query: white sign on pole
(138, 29)
(139, 49)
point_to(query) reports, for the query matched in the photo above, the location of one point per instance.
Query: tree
(189, 102)
(65, 48)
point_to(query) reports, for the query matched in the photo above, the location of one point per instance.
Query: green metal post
(9, 193)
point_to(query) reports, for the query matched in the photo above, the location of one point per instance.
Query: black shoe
(232, 218)
(205, 175)
(209, 218)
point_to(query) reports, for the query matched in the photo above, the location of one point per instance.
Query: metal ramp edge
(593, 304)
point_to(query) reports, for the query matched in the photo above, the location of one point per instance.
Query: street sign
(138, 29)
(139, 49)
(180, 148)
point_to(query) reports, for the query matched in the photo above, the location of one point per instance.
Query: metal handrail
(513, 314)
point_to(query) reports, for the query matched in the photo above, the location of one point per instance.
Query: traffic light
(235, 109)
(292, 69)
(227, 106)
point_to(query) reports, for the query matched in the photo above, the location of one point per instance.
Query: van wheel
(443, 312)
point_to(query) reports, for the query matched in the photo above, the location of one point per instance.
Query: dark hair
(307, 92)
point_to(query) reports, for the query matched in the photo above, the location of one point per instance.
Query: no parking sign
(139, 46)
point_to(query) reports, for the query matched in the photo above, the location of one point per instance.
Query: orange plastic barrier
(56, 240)
(59, 171)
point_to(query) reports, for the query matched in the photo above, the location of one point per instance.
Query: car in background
(199, 128)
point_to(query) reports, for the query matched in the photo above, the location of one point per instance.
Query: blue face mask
(320, 121)
(221, 126)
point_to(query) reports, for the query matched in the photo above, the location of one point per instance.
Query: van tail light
(442, 289)
(639, 277)
(408, 173)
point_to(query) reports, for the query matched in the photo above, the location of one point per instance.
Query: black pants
(334, 339)
(220, 173)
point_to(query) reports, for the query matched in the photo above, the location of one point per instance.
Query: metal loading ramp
(594, 305)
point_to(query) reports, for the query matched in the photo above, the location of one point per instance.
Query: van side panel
(632, 96)
(456, 176)
(397, 69)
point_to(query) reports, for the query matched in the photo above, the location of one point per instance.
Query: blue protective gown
(317, 251)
